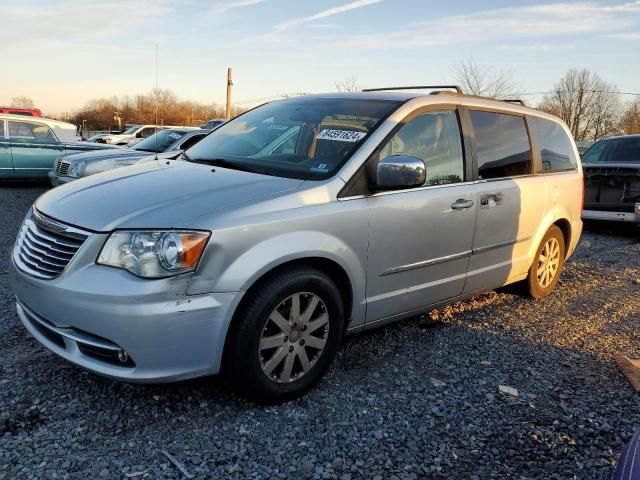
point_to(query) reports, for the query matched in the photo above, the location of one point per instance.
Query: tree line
(159, 105)
(591, 107)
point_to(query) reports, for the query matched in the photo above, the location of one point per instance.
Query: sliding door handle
(461, 204)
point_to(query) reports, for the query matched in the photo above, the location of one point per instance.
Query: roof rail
(417, 87)
(514, 100)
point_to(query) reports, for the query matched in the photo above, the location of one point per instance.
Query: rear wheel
(547, 264)
(286, 335)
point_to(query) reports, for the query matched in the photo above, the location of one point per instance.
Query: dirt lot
(415, 400)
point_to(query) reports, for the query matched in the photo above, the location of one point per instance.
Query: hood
(117, 136)
(103, 154)
(93, 165)
(156, 195)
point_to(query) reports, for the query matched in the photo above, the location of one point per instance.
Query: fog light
(123, 356)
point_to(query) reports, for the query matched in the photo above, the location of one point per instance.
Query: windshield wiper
(225, 163)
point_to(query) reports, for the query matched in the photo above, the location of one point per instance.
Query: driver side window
(433, 137)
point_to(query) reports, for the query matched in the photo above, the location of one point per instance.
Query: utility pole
(578, 114)
(229, 85)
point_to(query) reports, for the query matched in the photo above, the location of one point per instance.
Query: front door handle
(486, 200)
(461, 204)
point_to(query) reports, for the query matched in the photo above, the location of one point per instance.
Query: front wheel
(286, 335)
(547, 264)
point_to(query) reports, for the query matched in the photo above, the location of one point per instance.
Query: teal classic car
(29, 146)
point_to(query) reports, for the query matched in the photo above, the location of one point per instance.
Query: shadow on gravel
(24, 183)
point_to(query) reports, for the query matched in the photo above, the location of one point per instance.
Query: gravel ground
(415, 400)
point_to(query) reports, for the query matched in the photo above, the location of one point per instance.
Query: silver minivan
(292, 225)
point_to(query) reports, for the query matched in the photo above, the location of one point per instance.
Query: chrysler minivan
(300, 221)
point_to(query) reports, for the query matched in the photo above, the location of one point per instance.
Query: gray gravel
(415, 400)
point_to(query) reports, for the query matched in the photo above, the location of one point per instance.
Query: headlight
(154, 254)
(76, 169)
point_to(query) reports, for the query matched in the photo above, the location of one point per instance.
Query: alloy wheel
(293, 337)
(548, 262)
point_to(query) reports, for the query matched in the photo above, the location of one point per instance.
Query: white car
(135, 134)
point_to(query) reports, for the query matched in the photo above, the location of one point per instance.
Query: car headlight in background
(154, 254)
(76, 169)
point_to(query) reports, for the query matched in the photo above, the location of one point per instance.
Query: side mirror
(139, 135)
(400, 171)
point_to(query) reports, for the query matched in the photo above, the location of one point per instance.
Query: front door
(6, 164)
(34, 148)
(511, 201)
(420, 239)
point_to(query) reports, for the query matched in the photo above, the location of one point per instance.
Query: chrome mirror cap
(400, 171)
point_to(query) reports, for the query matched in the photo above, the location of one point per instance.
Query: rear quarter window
(556, 148)
(501, 145)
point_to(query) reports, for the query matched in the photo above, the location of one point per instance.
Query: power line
(586, 91)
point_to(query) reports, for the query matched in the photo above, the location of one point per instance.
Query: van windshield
(307, 138)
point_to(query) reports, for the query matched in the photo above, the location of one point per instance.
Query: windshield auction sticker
(341, 135)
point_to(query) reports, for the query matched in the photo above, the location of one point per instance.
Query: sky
(62, 53)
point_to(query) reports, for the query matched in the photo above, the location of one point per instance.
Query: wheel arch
(327, 266)
(565, 227)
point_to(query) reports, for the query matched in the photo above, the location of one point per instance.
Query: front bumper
(633, 217)
(91, 315)
(57, 180)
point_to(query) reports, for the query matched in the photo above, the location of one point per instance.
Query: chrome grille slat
(42, 252)
(33, 238)
(37, 265)
(62, 168)
(40, 259)
(49, 237)
(38, 247)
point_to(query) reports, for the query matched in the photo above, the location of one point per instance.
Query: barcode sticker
(341, 135)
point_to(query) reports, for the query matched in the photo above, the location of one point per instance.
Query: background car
(216, 122)
(612, 179)
(99, 137)
(135, 134)
(583, 146)
(29, 146)
(169, 142)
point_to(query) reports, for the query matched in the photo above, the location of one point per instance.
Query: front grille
(42, 252)
(62, 168)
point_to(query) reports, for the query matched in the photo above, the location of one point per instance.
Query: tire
(539, 282)
(269, 363)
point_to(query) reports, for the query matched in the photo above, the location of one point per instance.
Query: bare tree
(98, 114)
(485, 81)
(630, 121)
(22, 102)
(587, 104)
(349, 84)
